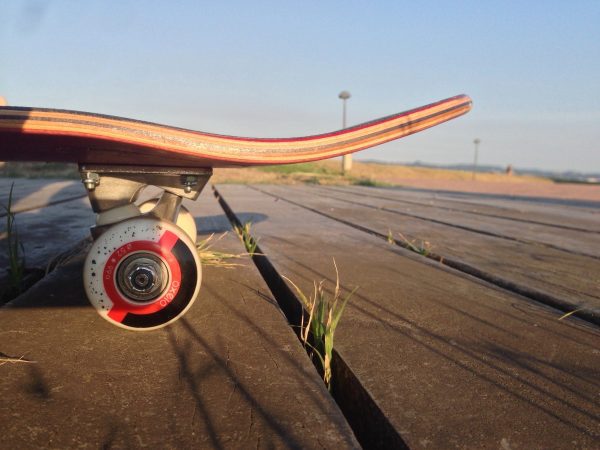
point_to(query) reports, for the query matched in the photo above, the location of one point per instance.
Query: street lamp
(476, 141)
(346, 159)
(3, 102)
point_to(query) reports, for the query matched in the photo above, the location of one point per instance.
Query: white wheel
(185, 220)
(142, 274)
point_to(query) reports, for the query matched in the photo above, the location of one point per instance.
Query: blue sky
(275, 68)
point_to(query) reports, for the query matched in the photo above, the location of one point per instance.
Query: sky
(275, 69)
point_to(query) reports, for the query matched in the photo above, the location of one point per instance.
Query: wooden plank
(37, 193)
(581, 209)
(577, 242)
(545, 193)
(451, 361)
(562, 216)
(45, 232)
(230, 374)
(546, 274)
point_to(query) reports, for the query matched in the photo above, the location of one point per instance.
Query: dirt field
(365, 174)
(371, 174)
(546, 189)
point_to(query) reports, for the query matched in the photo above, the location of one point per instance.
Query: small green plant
(297, 168)
(424, 248)
(324, 314)
(15, 250)
(369, 182)
(246, 236)
(390, 237)
(210, 257)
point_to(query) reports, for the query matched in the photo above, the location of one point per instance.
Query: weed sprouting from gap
(244, 232)
(210, 257)
(390, 237)
(309, 168)
(368, 182)
(424, 248)
(15, 249)
(324, 314)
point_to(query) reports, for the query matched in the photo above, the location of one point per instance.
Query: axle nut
(142, 277)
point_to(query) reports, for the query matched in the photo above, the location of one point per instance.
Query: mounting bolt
(189, 181)
(90, 180)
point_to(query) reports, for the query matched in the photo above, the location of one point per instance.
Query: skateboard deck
(41, 134)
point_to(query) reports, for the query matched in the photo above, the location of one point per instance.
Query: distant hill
(566, 176)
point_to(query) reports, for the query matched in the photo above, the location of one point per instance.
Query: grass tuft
(369, 182)
(324, 314)
(245, 235)
(15, 250)
(210, 257)
(390, 237)
(423, 248)
(311, 168)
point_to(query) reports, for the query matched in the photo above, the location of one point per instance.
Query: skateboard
(143, 271)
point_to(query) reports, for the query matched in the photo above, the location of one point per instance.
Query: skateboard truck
(143, 270)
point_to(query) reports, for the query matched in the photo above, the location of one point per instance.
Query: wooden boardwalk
(230, 374)
(552, 256)
(461, 347)
(450, 359)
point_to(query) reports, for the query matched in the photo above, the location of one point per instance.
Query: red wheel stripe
(122, 307)
(168, 240)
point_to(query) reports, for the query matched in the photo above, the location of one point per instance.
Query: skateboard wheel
(142, 273)
(185, 220)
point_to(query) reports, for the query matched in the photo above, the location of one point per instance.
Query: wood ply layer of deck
(568, 278)
(230, 374)
(451, 361)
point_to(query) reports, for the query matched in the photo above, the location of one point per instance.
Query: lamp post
(476, 141)
(3, 102)
(346, 159)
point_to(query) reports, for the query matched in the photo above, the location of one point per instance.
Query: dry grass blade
(210, 257)
(5, 359)
(423, 249)
(564, 316)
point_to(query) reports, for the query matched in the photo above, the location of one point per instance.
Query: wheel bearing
(142, 277)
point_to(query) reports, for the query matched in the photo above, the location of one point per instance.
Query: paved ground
(458, 347)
